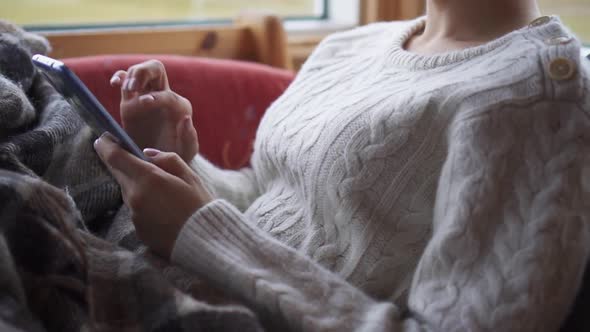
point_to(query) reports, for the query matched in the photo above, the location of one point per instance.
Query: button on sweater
(391, 191)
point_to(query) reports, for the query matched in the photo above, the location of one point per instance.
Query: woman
(423, 175)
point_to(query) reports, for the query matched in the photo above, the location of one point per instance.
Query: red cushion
(228, 97)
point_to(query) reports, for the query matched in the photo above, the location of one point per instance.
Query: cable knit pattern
(391, 191)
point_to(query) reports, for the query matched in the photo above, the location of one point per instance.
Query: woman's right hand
(161, 195)
(154, 115)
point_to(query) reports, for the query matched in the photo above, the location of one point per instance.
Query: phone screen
(76, 102)
(84, 102)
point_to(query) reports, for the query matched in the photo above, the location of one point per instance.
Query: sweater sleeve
(509, 244)
(237, 187)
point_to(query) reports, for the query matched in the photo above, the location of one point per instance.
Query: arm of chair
(228, 97)
(268, 37)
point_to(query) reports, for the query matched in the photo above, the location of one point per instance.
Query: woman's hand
(152, 114)
(161, 195)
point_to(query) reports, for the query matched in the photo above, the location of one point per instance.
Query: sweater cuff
(216, 240)
(205, 170)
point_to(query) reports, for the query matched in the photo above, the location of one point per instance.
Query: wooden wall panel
(389, 10)
(378, 10)
(411, 9)
(370, 11)
(268, 36)
(256, 37)
(222, 42)
(253, 37)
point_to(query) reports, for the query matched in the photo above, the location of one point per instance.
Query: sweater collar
(400, 57)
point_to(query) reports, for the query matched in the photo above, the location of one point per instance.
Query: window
(574, 13)
(69, 13)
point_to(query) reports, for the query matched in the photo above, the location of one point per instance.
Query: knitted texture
(399, 192)
(57, 203)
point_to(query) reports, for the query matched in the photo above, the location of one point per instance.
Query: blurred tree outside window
(574, 13)
(63, 13)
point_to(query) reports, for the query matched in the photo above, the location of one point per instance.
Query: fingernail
(106, 136)
(99, 140)
(115, 80)
(146, 98)
(132, 84)
(151, 152)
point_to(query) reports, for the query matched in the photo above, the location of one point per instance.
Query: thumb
(123, 165)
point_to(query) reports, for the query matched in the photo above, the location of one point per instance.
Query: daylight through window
(111, 12)
(574, 13)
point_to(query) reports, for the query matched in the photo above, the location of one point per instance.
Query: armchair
(228, 97)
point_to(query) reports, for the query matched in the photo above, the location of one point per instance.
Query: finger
(124, 182)
(187, 133)
(171, 163)
(147, 76)
(168, 100)
(124, 166)
(161, 100)
(118, 78)
(153, 77)
(126, 94)
(126, 91)
(186, 129)
(128, 87)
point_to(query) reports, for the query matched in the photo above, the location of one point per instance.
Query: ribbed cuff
(205, 170)
(237, 187)
(218, 242)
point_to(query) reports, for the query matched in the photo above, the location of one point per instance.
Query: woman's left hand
(161, 195)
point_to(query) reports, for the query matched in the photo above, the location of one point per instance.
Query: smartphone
(84, 102)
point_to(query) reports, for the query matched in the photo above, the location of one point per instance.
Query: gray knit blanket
(69, 257)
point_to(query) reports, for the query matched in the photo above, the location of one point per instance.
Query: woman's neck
(458, 24)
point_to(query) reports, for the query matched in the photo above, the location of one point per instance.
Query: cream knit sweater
(396, 192)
